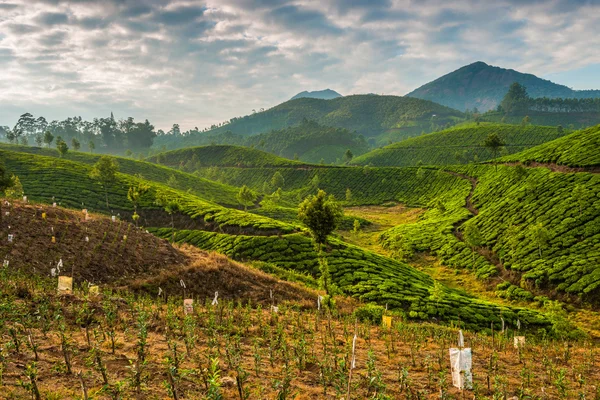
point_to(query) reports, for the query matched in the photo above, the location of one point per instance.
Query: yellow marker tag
(44, 216)
(53, 239)
(387, 321)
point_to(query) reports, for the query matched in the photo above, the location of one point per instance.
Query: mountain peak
(326, 94)
(484, 86)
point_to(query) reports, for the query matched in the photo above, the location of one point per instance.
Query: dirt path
(486, 253)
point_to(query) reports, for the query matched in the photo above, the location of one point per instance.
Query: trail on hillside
(488, 254)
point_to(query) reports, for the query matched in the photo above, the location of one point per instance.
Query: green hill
(204, 188)
(192, 158)
(483, 86)
(579, 149)
(458, 145)
(380, 117)
(309, 142)
(48, 179)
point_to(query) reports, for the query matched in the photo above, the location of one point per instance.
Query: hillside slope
(483, 86)
(458, 145)
(119, 255)
(176, 179)
(579, 149)
(369, 115)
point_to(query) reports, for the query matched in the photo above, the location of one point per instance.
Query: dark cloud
(180, 15)
(8, 6)
(308, 21)
(23, 29)
(53, 18)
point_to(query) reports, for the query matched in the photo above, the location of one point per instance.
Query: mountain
(326, 94)
(483, 86)
(377, 117)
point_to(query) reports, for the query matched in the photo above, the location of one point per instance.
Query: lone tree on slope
(494, 143)
(105, 171)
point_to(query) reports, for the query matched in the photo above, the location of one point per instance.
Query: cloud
(181, 61)
(53, 18)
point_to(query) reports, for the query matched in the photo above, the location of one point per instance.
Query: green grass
(579, 149)
(458, 145)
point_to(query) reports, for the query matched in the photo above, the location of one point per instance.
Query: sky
(199, 63)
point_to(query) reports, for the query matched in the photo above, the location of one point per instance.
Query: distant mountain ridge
(326, 94)
(483, 86)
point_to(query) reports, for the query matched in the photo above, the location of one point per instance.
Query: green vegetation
(458, 145)
(364, 275)
(73, 187)
(579, 149)
(483, 86)
(206, 189)
(308, 142)
(321, 214)
(386, 117)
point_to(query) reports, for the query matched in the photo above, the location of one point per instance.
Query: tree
(525, 120)
(494, 143)
(246, 197)
(134, 195)
(356, 227)
(39, 140)
(62, 147)
(516, 100)
(348, 156)
(171, 206)
(75, 144)
(321, 214)
(15, 191)
(348, 194)
(277, 181)
(472, 237)
(48, 138)
(105, 171)
(540, 236)
(91, 146)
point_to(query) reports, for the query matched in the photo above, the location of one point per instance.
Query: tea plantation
(579, 149)
(365, 275)
(458, 145)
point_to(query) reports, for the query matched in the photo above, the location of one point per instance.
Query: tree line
(108, 133)
(518, 102)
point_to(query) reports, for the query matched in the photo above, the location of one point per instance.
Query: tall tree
(105, 172)
(62, 147)
(321, 214)
(75, 144)
(246, 197)
(540, 236)
(171, 206)
(494, 143)
(516, 101)
(48, 138)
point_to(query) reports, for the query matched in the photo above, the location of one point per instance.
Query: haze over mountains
(483, 86)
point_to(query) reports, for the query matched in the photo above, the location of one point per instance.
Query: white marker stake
(159, 291)
(24, 199)
(460, 362)
(353, 352)
(215, 301)
(319, 298)
(10, 238)
(5, 264)
(182, 283)
(519, 324)
(461, 339)
(502, 324)
(275, 309)
(114, 219)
